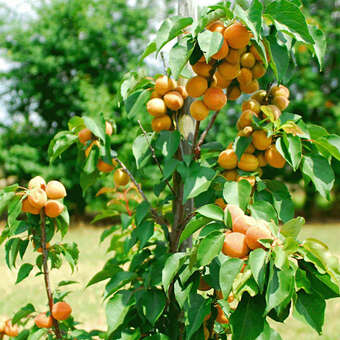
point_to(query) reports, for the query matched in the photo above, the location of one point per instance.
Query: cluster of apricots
(237, 66)
(86, 138)
(166, 98)
(262, 150)
(7, 328)
(40, 195)
(60, 312)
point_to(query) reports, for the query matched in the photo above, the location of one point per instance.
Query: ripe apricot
(27, 207)
(155, 94)
(90, 147)
(228, 71)
(84, 135)
(203, 285)
(199, 110)
(234, 212)
(53, 208)
(260, 140)
(182, 91)
(108, 128)
(279, 90)
(55, 190)
(40, 250)
(227, 159)
(104, 167)
(233, 56)
(255, 53)
(219, 81)
(220, 202)
(120, 177)
(243, 223)
(156, 107)
(216, 26)
(233, 92)
(223, 51)
(259, 96)
(262, 159)
(251, 104)
(202, 69)
(11, 330)
(173, 100)
(258, 71)
(37, 182)
(237, 35)
(250, 87)
(245, 76)
(246, 131)
(281, 102)
(248, 162)
(250, 148)
(61, 311)
(214, 98)
(43, 321)
(256, 233)
(246, 118)
(37, 198)
(196, 86)
(274, 158)
(221, 317)
(230, 175)
(235, 245)
(248, 60)
(165, 84)
(250, 179)
(161, 123)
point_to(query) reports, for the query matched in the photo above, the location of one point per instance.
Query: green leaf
(320, 45)
(153, 303)
(171, 268)
(107, 272)
(192, 226)
(151, 48)
(252, 18)
(117, 281)
(23, 313)
(178, 58)
(211, 211)
(38, 334)
(257, 263)
(292, 228)
(209, 248)
(228, 271)
(240, 145)
(289, 18)
(96, 125)
(210, 43)
(318, 170)
(310, 309)
(87, 180)
(168, 143)
(237, 193)
(116, 309)
(60, 143)
(263, 210)
(141, 150)
(268, 333)
(144, 232)
(24, 271)
(280, 57)
(136, 103)
(142, 211)
(331, 143)
(170, 29)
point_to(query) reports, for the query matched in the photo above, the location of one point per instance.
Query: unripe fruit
(43, 321)
(234, 212)
(256, 233)
(27, 207)
(214, 98)
(11, 330)
(199, 110)
(173, 100)
(280, 90)
(61, 311)
(156, 107)
(196, 86)
(262, 159)
(256, 54)
(245, 76)
(108, 128)
(37, 198)
(228, 71)
(120, 177)
(235, 245)
(227, 159)
(259, 96)
(246, 118)
(281, 102)
(202, 69)
(104, 167)
(248, 162)
(275, 111)
(220, 202)
(251, 104)
(247, 60)
(37, 182)
(223, 51)
(233, 92)
(243, 223)
(182, 91)
(164, 84)
(274, 158)
(250, 179)
(258, 71)
(221, 317)
(161, 123)
(203, 285)
(53, 208)
(84, 135)
(250, 87)
(237, 35)
(219, 81)
(260, 140)
(233, 56)
(216, 26)
(55, 190)
(230, 175)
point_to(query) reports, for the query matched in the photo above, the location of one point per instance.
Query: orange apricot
(260, 140)
(199, 110)
(43, 321)
(233, 92)
(219, 81)
(156, 107)
(155, 94)
(202, 69)
(233, 56)
(61, 311)
(230, 175)
(250, 87)
(243, 223)
(281, 102)
(164, 84)
(55, 190)
(248, 162)
(256, 233)
(37, 198)
(235, 245)
(251, 179)
(37, 182)
(274, 158)
(216, 26)
(53, 208)
(255, 53)
(120, 177)
(104, 167)
(250, 148)
(161, 123)
(223, 51)
(227, 159)
(214, 98)
(237, 35)
(279, 90)
(251, 104)
(258, 71)
(248, 60)
(246, 118)
(196, 86)
(11, 330)
(262, 160)
(246, 131)
(259, 96)
(182, 91)
(84, 135)
(27, 207)
(173, 100)
(228, 71)
(234, 212)
(245, 76)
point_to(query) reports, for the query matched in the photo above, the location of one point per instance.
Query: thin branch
(46, 274)
(197, 129)
(159, 219)
(155, 158)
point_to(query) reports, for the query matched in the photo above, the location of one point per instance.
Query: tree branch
(46, 274)
(197, 129)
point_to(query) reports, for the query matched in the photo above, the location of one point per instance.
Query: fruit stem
(46, 273)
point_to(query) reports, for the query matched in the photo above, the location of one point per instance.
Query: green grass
(87, 303)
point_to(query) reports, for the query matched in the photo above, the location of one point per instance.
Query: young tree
(244, 263)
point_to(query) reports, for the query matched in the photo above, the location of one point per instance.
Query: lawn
(87, 302)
